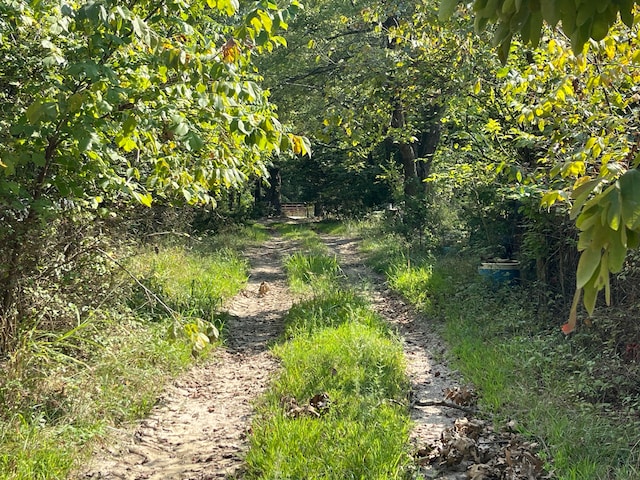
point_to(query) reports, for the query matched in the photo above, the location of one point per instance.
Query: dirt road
(199, 426)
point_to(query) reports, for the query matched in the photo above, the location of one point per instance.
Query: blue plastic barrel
(500, 272)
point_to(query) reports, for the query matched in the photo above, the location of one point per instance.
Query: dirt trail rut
(424, 351)
(197, 431)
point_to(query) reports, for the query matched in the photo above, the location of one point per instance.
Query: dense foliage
(423, 108)
(580, 20)
(103, 103)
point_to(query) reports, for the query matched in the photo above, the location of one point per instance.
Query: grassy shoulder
(336, 409)
(577, 396)
(64, 389)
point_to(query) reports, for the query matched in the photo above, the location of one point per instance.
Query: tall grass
(63, 389)
(193, 282)
(560, 390)
(312, 269)
(332, 309)
(311, 272)
(363, 433)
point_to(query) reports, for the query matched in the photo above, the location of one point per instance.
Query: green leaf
(447, 7)
(626, 12)
(617, 251)
(581, 195)
(129, 125)
(587, 265)
(34, 112)
(629, 185)
(590, 296)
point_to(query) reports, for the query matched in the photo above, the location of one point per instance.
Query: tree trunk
(407, 155)
(275, 195)
(428, 144)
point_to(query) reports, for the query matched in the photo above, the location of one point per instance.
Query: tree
(592, 86)
(370, 81)
(103, 102)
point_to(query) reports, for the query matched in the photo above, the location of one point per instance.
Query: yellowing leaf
(127, 144)
(574, 169)
(541, 124)
(549, 198)
(267, 23)
(144, 198)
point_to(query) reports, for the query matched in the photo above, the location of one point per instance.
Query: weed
(191, 282)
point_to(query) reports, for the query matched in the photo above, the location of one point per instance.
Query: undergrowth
(577, 396)
(62, 389)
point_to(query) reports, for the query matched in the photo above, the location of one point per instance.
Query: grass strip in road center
(336, 410)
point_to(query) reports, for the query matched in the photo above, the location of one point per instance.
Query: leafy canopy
(101, 101)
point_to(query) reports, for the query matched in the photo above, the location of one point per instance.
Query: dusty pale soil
(198, 429)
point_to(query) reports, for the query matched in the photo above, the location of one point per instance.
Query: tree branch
(442, 403)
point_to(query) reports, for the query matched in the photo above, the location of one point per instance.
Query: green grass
(350, 360)
(573, 395)
(332, 309)
(311, 269)
(364, 432)
(61, 390)
(26, 455)
(61, 395)
(311, 272)
(336, 346)
(332, 227)
(331, 448)
(193, 282)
